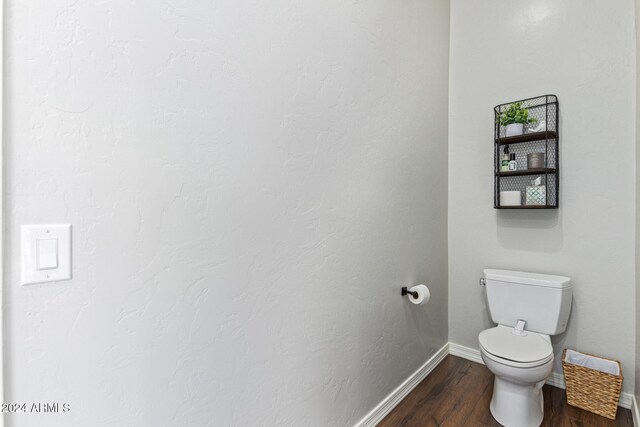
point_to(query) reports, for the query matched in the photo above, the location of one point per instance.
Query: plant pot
(515, 129)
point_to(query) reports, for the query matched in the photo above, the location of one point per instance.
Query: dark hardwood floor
(458, 392)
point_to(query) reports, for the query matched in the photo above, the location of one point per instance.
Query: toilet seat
(522, 351)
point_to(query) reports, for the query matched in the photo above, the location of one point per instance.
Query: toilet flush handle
(482, 282)
(519, 329)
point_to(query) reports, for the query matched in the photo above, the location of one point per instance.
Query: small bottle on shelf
(513, 165)
(504, 159)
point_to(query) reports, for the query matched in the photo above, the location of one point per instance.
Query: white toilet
(528, 309)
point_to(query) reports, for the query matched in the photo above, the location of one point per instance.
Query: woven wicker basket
(595, 391)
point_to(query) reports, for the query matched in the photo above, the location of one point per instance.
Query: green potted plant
(514, 118)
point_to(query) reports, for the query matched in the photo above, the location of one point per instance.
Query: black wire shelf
(542, 137)
(534, 171)
(527, 207)
(527, 137)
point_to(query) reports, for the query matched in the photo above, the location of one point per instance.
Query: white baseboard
(556, 379)
(465, 352)
(634, 412)
(379, 412)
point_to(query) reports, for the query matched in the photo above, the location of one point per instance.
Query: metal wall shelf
(535, 171)
(544, 109)
(527, 137)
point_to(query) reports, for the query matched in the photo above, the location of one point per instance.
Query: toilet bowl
(528, 308)
(521, 364)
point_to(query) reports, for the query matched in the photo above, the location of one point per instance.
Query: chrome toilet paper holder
(406, 291)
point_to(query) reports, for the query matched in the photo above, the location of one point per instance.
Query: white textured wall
(503, 50)
(250, 183)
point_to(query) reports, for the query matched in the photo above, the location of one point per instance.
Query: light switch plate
(46, 253)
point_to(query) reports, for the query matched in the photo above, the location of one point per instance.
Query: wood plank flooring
(457, 393)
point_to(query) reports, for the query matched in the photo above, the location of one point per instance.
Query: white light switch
(46, 253)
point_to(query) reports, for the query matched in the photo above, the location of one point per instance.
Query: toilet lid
(501, 342)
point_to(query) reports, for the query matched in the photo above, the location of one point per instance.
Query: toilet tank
(542, 300)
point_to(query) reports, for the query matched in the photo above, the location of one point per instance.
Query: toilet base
(517, 404)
